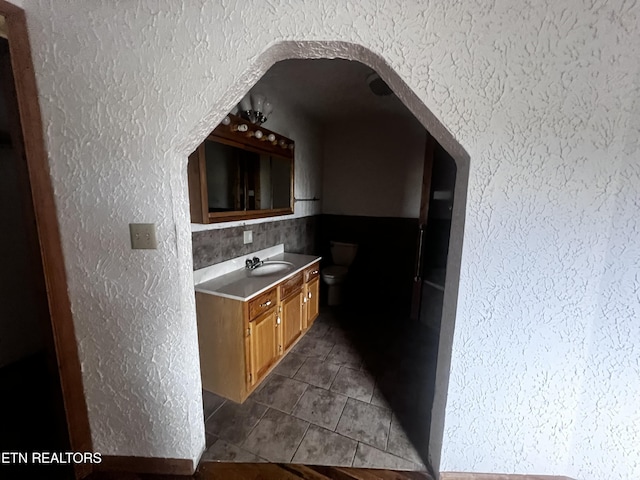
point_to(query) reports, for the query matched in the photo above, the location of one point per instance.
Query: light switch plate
(143, 236)
(248, 236)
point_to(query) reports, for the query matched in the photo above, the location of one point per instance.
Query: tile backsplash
(214, 246)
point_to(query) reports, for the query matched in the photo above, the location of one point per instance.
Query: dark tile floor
(355, 391)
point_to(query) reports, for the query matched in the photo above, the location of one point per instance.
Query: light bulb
(257, 100)
(258, 134)
(283, 143)
(226, 120)
(268, 108)
(271, 137)
(245, 103)
(240, 128)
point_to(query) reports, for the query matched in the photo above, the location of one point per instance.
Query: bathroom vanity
(248, 320)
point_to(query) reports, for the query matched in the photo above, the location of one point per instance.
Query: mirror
(240, 178)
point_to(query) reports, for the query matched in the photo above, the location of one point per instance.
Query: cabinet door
(263, 344)
(312, 301)
(291, 319)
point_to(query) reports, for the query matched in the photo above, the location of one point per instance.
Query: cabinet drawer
(262, 303)
(291, 286)
(312, 272)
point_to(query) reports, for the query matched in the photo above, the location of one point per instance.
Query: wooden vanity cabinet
(264, 344)
(241, 342)
(291, 309)
(226, 339)
(311, 294)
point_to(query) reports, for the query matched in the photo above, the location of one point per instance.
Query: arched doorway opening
(446, 144)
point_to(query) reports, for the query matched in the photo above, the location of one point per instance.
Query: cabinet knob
(278, 321)
(265, 304)
(309, 294)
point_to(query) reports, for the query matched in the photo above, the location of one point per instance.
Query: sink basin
(271, 268)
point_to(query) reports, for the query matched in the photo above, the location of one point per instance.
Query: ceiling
(327, 89)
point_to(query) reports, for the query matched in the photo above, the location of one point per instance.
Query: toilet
(335, 275)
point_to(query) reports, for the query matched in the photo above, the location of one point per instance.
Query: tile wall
(214, 246)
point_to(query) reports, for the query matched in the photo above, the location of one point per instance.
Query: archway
(348, 51)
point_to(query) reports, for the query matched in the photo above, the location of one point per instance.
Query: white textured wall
(608, 418)
(538, 93)
(288, 121)
(373, 167)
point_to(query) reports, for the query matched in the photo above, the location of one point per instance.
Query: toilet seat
(334, 272)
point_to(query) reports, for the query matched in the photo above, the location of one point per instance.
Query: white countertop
(239, 285)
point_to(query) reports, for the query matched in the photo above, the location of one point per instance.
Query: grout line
(386, 444)
(363, 441)
(341, 413)
(370, 398)
(417, 467)
(367, 444)
(411, 462)
(300, 397)
(301, 440)
(299, 366)
(355, 453)
(219, 407)
(339, 434)
(253, 428)
(271, 407)
(334, 379)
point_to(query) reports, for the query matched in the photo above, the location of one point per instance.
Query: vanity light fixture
(255, 108)
(257, 134)
(242, 127)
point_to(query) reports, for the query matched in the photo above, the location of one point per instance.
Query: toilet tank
(343, 253)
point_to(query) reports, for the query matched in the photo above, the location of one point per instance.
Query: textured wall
(214, 246)
(373, 166)
(608, 417)
(539, 95)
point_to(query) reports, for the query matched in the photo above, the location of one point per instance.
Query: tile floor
(355, 391)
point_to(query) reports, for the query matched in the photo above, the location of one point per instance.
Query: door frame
(423, 219)
(48, 231)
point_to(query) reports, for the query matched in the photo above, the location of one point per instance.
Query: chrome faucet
(253, 263)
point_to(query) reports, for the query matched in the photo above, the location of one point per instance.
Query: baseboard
(162, 466)
(497, 476)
